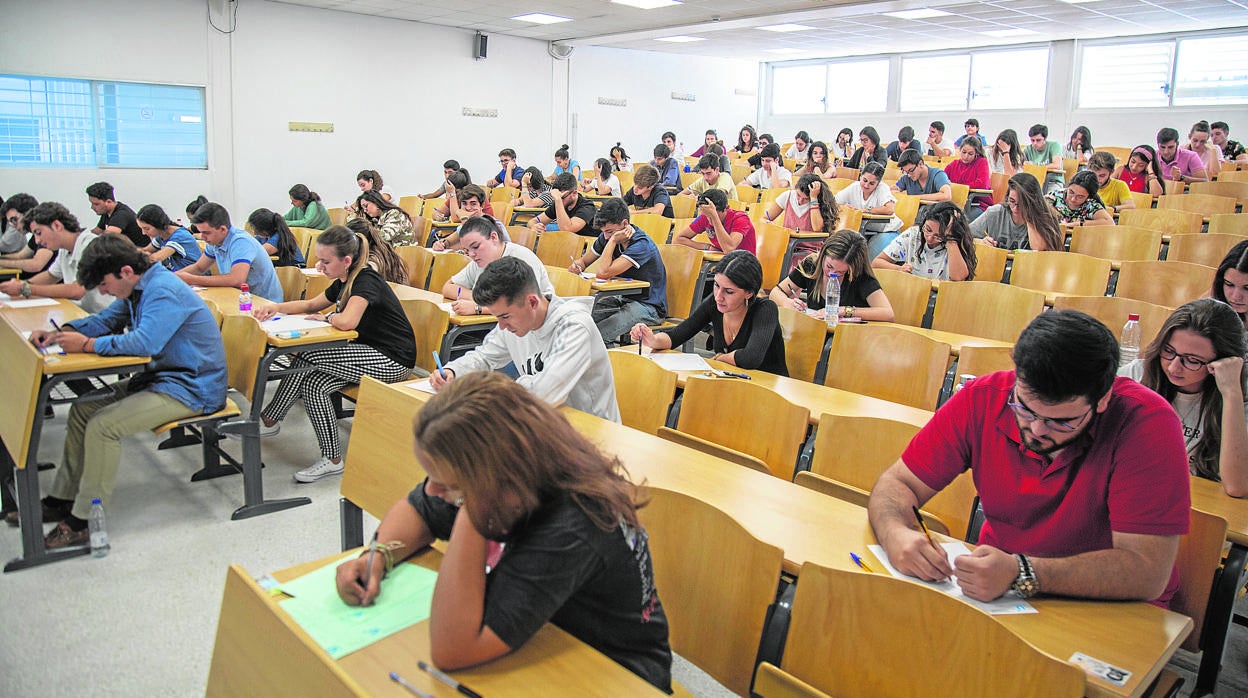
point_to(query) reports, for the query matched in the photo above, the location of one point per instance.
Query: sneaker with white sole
(321, 469)
(265, 431)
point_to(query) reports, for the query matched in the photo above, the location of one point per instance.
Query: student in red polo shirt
(728, 229)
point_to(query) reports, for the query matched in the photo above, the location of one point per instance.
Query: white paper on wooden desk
(51, 349)
(446, 305)
(1006, 605)
(423, 386)
(680, 362)
(291, 323)
(312, 272)
(30, 302)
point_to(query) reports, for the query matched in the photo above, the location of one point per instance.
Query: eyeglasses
(910, 172)
(1024, 413)
(14, 220)
(1189, 362)
(1012, 203)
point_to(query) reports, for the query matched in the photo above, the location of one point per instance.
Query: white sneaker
(320, 469)
(266, 431)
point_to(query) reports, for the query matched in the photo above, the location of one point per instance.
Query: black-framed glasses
(1027, 415)
(13, 220)
(1189, 362)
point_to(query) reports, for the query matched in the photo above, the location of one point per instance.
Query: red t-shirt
(1135, 182)
(976, 175)
(734, 222)
(1127, 474)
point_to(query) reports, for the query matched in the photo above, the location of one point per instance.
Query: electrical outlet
(685, 96)
(613, 102)
(311, 126)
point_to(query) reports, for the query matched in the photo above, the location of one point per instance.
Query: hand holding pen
(933, 562)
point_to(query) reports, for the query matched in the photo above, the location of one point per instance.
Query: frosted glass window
(1009, 79)
(937, 83)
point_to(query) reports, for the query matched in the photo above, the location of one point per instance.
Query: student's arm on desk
(458, 636)
(401, 524)
(490, 355)
(45, 285)
(890, 510)
(195, 273)
(155, 327)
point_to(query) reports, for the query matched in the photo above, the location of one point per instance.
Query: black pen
(433, 671)
(54, 325)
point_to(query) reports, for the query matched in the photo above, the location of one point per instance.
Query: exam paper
(30, 302)
(680, 362)
(1006, 605)
(291, 323)
(422, 385)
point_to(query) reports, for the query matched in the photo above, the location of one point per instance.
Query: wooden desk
(5, 271)
(522, 214)
(618, 286)
(260, 650)
(464, 330)
(807, 525)
(29, 377)
(1209, 497)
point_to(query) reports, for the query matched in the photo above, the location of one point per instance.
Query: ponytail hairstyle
(604, 168)
(952, 223)
(192, 207)
(826, 203)
(375, 197)
(346, 243)
(381, 256)
(618, 151)
(562, 153)
(373, 177)
(266, 223)
(156, 217)
(846, 245)
(303, 195)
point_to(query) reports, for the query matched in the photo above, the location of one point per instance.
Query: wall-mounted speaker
(479, 44)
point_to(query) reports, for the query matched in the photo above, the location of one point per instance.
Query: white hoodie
(563, 362)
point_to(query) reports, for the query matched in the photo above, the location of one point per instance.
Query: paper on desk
(30, 302)
(291, 323)
(680, 362)
(312, 272)
(423, 386)
(1006, 605)
(53, 348)
(340, 629)
(446, 305)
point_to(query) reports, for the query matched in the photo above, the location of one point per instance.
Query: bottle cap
(95, 501)
(244, 288)
(1133, 316)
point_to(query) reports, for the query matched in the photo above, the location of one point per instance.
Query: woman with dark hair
(274, 235)
(369, 180)
(1080, 146)
(605, 183)
(534, 190)
(845, 254)
(709, 140)
(575, 553)
(939, 247)
(1007, 154)
(1024, 221)
(192, 207)
(1196, 362)
(393, 222)
(971, 168)
(808, 206)
(800, 150)
(844, 146)
(747, 141)
(172, 245)
(307, 210)
(820, 162)
(1230, 283)
(384, 349)
(619, 158)
(745, 329)
(869, 151)
(1142, 171)
(1079, 203)
(381, 256)
(565, 163)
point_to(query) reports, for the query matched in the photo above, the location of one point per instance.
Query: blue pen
(405, 684)
(437, 361)
(858, 561)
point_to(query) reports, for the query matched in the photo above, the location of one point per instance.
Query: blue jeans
(616, 315)
(876, 243)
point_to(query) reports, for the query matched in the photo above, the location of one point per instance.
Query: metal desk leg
(1218, 618)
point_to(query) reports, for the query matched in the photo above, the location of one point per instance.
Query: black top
(34, 246)
(658, 195)
(893, 151)
(856, 161)
(759, 343)
(123, 217)
(383, 326)
(583, 209)
(853, 293)
(559, 567)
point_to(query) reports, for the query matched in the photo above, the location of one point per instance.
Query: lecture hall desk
(807, 525)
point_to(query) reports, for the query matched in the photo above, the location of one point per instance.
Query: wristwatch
(478, 310)
(1026, 584)
(25, 292)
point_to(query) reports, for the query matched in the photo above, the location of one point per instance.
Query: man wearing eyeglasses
(930, 184)
(30, 257)
(1082, 475)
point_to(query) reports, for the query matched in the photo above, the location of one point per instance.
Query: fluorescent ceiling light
(541, 18)
(681, 39)
(1006, 33)
(785, 50)
(647, 4)
(921, 13)
(786, 27)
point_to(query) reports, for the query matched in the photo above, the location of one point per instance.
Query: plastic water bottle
(687, 168)
(832, 298)
(99, 532)
(963, 379)
(244, 299)
(1129, 346)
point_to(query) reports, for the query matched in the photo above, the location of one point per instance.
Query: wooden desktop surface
(226, 300)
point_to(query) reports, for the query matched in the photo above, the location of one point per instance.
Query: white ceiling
(841, 27)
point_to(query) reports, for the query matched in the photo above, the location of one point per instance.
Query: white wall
(1119, 127)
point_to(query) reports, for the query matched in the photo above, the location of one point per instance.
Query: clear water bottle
(963, 379)
(832, 298)
(1129, 345)
(99, 532)
(244, 299)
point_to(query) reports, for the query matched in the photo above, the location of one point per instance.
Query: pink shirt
(734, 222)
(1187, 161)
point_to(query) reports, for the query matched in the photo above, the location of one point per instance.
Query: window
(936, 83)
(1173, 72)
(1009, 79)
(55, 122)
(1211, 70)
(830, 88)
(799, 90)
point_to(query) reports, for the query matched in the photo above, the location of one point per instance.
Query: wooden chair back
(1040, 172)
(771, 681)
(980, 361)
(1000, 186)
(715, 580)
(961, 193)
(309, 250)
(1143, 200)
(216, 312)
(747, 194)
(738, 205)
(418, 260)
(1228, 175)
(838, 184)
(658, 227)
(1230, 223)
(429, 207)
(1120, 153)
(883, 614)
(1113, 311)
(429, 325)
(1116, 242)
(558, 247)
(1204, 204)
(1061, 272)
(769, 196)
(245, 342)
(293, 281)
(301, 237)
(770, 242)
(337, 216)
(644, 390)
(503, 194)
(907, 209)
(684, 206)
(850, 173)
(21, 374)
(445, 265)
(889, 363)
(850, 219)
(990, 262)
(1164, 283)
(382, 468)
(568, 284)
(682, 265)
(773, 434)
(502, 211)
(1069, 167)
(1204, 248)
(688, 178)
(907, 293)
(740, 171)
(803, 342)
(1200, 555)
(316, 285)
(522, 235)
(626, 180)
(710, 448)
(1168, 221)
(413, 205)
(1235, 190)
(985, 309)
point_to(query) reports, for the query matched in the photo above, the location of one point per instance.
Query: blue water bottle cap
(95, 501)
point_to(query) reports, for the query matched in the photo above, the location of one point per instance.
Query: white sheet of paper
(447, 307)
(30, 302)
(48, 350)
(5, 297)
(422, 385)
(681, 362)
(291, 323)
(1006, 605)
(311, 272)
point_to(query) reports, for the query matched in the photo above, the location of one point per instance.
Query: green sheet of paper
(340, 629)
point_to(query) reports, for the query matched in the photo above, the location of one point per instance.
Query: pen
(54, 325)
(858, 561)
(406, 684)
(368, 566)
(448, 680)
(437, 361)
(923, 525)
(730, 374)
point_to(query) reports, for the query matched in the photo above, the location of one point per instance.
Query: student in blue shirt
(669, 169)
(930, 184)
(273, 234)
(240, 258)
(172, 245)
(630, 253)
(154, 315)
